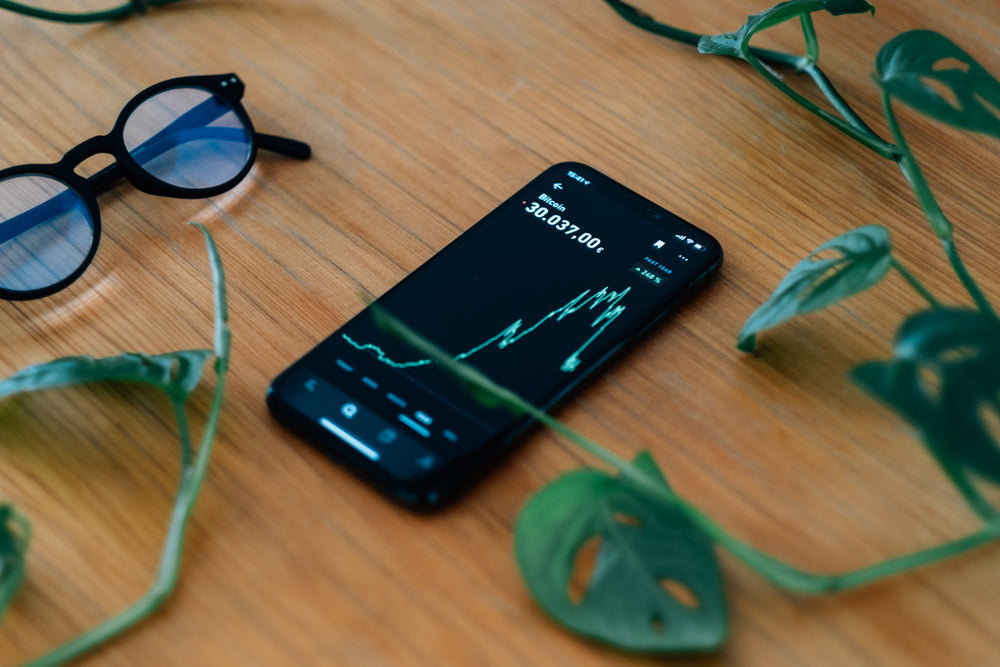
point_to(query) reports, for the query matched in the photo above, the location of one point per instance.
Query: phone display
(537, 295)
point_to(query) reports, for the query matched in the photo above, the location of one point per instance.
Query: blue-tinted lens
(189, 138)
(46, 232)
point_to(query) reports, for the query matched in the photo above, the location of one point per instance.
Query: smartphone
(538, 295)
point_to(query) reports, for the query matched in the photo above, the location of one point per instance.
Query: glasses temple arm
(209, 110)
(200, 117)
(283, 146)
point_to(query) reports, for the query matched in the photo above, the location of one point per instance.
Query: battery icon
(698, 246)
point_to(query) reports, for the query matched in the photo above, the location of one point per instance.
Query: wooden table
(423, 115)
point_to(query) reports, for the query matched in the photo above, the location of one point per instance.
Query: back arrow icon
(557, 186)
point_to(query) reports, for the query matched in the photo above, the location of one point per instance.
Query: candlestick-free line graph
(608, 298)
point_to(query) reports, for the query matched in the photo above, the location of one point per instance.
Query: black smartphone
(537, 295)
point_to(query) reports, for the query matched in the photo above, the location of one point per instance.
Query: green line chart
(606, 298)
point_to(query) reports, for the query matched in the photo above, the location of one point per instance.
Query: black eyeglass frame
(226, 86)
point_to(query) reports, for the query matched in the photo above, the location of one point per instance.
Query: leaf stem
(645, 21)
(911, 170)
(777, 571)
(854, 128)
(795, 579)
(983, 509)
(932, 210)
(84, 17)
(809, 35)
(878, 144)
(184, 435)
(982, 303)
(170, 559)
(763, 60)
(192, 478)
(915, 284)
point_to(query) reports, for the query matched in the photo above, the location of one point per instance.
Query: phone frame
(451, 479)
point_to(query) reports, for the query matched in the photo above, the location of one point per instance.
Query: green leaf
(865, 255)
(737, 44)
(944, 378)
(15, 533)
(655, 584)
(932, 74)
(176, 373)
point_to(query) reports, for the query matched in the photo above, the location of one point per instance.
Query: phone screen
(536, 295)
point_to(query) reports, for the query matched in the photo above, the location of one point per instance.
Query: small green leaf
(176, 373)
(737, 44)
(932, 74)
(944, 378)
(815, 283)
(15, 533)
(655, 583)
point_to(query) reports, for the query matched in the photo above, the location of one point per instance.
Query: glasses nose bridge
(86, 150)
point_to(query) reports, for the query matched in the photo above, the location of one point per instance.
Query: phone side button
(349, 439)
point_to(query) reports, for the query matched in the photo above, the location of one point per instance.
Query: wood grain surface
(423, 115)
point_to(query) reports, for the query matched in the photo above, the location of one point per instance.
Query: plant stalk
(983, 509)
(874, 142)
(645, 21)
(982, 303)
(911, 170)
(915, 284)
(192, 479)
(932, 210)
(809, 35)
(168, 573)
(855, 128)
(774, 570)
(780, 573)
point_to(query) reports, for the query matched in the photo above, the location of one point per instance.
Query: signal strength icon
(679, 237)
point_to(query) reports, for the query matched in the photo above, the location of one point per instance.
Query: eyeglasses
(188, 137)
(110, 14)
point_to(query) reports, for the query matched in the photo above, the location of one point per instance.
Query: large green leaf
(655, 584)
(176, 373)
(929, 72)
(737, 44)
(14, 536)
(865, 255)
(944, 378)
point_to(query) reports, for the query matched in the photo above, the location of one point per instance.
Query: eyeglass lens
(185, 137)
(50, 242)
(188, 138)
